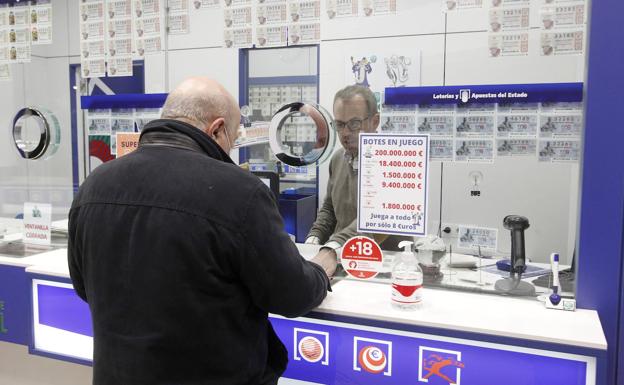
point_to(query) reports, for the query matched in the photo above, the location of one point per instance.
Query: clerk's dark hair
(349, 92)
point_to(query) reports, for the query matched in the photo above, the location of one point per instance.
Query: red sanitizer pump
(407, 279)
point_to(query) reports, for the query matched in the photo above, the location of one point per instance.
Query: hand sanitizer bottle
(407, 279)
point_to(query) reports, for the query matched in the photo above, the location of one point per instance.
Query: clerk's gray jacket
(180, 255)
(337, 218)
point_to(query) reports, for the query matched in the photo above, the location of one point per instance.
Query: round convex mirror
(36, 133)
(300, 134)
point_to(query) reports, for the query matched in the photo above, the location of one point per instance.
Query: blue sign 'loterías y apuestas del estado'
(493, 93)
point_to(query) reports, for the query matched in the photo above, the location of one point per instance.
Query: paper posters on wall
(91, 11)
(237, 37)
(93, 68)
(509, 19)
(238, 22)
(341, 8)
(18, 33)
(41, 23)
(178, 17)
(436, 125)
(119, 48)
(563, 16)
(119, 66)
(120, 28)
(378, 7)
(474, 126)
(562, 43)
(474, 150)
(271, 36)
(557, 126)
(304, 10)
(559, 150)
(304, 33)
(398, 122)
(92, 49)
(392, 193)
(99, 125)
(142, 116)
(236, 17)
(516, 147)
(120, 34)
(508, 44)
(205, 4)
(383, 68)
(458, 5)
(441, 150)
(37, 223)
(92, 39)
(516, 125)
(148, 26)
(272, 13)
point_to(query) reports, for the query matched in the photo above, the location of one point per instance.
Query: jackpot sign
(392, 193)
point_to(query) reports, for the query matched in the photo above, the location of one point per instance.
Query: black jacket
(180, 255)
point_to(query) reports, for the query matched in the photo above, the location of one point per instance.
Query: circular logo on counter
(361, 257)
(311, 349)
(372, 359)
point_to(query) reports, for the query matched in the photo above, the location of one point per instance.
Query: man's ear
(215, 128)
(375, 121)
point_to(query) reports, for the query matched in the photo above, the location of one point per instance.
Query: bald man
(181, 255)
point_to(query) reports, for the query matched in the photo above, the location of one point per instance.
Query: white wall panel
(218, 63)
(295, 61)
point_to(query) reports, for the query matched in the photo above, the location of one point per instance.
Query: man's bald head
(205, 104)
(199, 101)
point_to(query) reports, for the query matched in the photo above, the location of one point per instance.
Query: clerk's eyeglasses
(353, 125)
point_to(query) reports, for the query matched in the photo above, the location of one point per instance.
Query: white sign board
(392, 193)
(37, 220)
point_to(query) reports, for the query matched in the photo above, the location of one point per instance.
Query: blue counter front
(455, 338)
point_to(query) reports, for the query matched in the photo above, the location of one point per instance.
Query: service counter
(354, 336)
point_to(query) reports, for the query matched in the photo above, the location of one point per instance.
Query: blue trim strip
(243, 97)
(600, 249)
(123, 101)
(74, 126)
(495, 93)
(267, 81)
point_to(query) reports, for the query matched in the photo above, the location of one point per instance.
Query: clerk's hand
(327, 259)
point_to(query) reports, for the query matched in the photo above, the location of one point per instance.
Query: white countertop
(479, 313)
(453, 310)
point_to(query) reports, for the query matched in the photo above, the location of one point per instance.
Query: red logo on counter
(362, 257)
(372, 359)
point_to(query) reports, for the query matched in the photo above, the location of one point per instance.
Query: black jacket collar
(202, 142)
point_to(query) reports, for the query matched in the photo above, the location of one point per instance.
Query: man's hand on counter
(327, 259)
